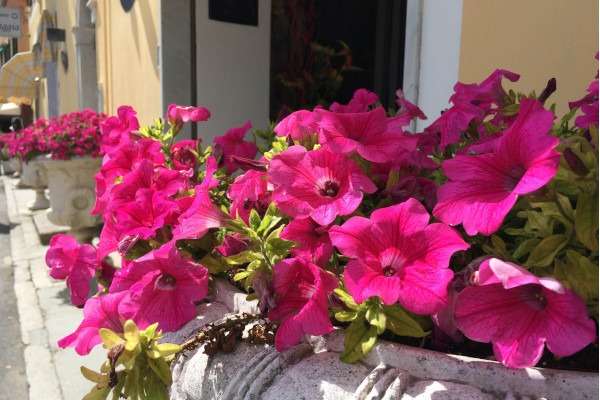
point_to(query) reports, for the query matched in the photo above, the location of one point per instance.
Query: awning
(43, 50)
(18, 79)
(7, 109)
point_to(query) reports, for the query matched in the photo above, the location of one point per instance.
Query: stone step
(45, 228)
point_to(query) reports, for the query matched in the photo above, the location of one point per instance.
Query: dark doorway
(322, 51)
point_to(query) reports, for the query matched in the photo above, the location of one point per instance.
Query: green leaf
(545, 252)
(346, 298)
(97, 393)
(580, 274)
(254, 220)
(346, 316)
(270, 220)
(243, 257)
(401, 323)
(376, 317)
(586, 220)
(565, 206)
(359, 339)
(161, 369)
(93, 376)
(241, 275)
(525, 247)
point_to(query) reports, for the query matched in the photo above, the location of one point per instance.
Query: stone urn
(72, 196)
(313, 370)
(34, 176)
(12, 166)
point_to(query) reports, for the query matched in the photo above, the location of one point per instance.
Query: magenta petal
(288, 334)
(522, 353)
(425, 288)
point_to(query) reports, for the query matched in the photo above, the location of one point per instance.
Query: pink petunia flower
(398, 256)
(183, 156)
(300, 125)
(178, 115)
(518, 312)
(116, 130)
(312, 240)
(249, 191)
(149, 212)
(162, 287)
(407, 111)
(301, 294)
(361, 100)
(453, 122)
(98, 312)
(589, 106)
(201, 216)
(232, 144)
(370, 134)
(74, 262)
(485, 94)
(482, 189)
(317, 183)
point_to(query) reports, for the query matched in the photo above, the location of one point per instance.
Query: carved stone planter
(12, 166)
(34, 176)
(391, 371)
(71, 188)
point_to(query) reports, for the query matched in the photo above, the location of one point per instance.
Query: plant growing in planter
(478, 236)
(65, 151)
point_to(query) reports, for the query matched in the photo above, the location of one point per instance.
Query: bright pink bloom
(249, 191)
(361, 100)
(397, 256)
(163, 287)
(482, 189)
(301, 294)
(589, 106)
(407, 111)
(210, 182)
(453, 122)
(519, 312)
(232, 144)
(181, 114)
(312, 240)
(77, 263)
(317, 183)
(232, 244)
(199, 218)
(183, 154)
(485, 94)
(299, 125)
(416, 187)
(116, 130)
(143, 216)
(370, 134)
(98, 312)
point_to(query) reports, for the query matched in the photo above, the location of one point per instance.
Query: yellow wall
(538, 39)
(127, 55)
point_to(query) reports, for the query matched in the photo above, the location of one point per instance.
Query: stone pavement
(45, 312)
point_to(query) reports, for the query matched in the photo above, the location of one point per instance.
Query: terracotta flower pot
(314, 371)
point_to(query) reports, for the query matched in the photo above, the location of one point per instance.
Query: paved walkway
(45, 312)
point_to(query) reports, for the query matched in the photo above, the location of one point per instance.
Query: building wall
(127, 54)
(538, 39)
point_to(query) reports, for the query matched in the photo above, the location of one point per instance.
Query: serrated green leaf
(346, 298)
(359, 339)
(401, 323)
(586, 220)
(545, 252)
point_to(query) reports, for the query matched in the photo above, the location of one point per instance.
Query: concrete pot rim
(488, 375)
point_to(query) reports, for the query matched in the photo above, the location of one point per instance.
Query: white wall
(439, 25)
(233, 63)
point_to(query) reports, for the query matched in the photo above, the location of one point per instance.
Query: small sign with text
(10, 22)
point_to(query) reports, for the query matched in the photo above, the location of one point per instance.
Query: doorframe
(431, 54)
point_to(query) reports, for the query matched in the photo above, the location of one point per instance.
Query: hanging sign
(10, 22)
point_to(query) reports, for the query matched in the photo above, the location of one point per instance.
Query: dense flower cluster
(478, 227)
(69, 135)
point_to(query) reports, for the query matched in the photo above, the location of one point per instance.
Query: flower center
(389, 271)
(533, 296)
(514, 177)
(165, 282)
(329, 189)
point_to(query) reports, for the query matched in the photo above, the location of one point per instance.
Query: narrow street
(13, 381)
